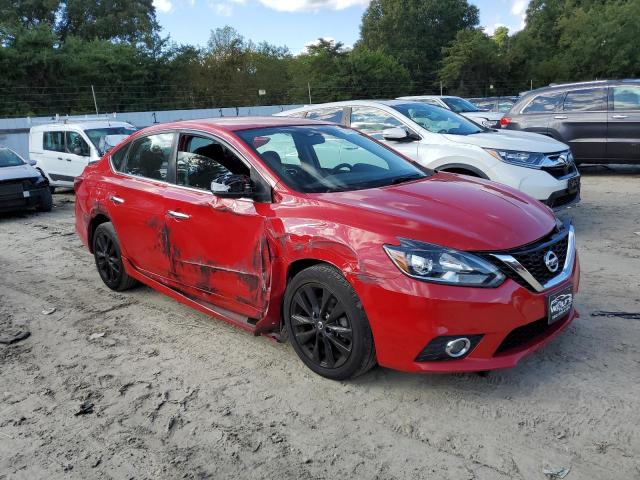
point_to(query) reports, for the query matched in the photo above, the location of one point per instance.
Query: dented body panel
(232, 258)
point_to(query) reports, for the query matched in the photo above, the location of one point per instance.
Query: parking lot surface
(177, 394)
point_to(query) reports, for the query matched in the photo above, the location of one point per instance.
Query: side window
(545, 103)
(626, 98)
(372, 121)
(76, 145)
(53, 141)
(117, 158)
(149, 156)
(202, 160)
(587, 100)
(327, 114)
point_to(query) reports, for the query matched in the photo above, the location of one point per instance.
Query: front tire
(106, 251)
(46, 202)
(327, 325)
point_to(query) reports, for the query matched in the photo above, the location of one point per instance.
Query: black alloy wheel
(327, 325)
(106, 251)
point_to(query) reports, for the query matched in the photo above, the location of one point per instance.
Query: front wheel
(46, 202)
(327, 325)
(106, 250)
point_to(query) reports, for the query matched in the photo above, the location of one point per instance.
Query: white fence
(14, 132)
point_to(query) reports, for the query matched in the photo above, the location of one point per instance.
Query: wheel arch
(97, 220)
(462, 168)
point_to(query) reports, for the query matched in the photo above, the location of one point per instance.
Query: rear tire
(46, 202)
(108, 257)
(327, 324)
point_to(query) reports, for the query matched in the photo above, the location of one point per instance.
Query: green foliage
(415, 31)
(53, 51)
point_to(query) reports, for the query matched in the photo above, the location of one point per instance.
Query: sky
(296, 23)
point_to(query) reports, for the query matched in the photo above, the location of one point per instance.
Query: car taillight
(504, 121)
(77, 182)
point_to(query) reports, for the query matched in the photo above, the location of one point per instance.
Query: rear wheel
(327, 325)
(106, 251)
(46, 202)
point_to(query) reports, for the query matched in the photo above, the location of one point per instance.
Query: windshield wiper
(406, 178)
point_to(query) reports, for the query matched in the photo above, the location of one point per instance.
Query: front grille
(533, 260)
(11, 187)
(531, 257)
(560, 171)
(524, 334)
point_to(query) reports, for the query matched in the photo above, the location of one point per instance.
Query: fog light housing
(450, 347)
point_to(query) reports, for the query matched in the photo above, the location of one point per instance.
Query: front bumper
(22, 199)
(405, 315)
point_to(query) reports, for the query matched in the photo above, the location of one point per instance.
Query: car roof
(348, 103)
(553, 87)
(416, 97)
(82, 125)
(239, 123)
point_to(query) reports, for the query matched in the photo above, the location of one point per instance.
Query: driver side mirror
(32, 162)
(398, 134)
(242, 186)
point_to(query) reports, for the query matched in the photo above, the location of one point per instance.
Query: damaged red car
(317, 233)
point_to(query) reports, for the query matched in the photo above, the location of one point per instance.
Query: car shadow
(608, 170)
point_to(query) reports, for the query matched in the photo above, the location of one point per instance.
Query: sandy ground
(180, 395)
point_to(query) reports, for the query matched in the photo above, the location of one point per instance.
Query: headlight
(432, 263)
(522, 159)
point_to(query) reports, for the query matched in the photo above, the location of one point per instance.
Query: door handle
(178, 215)
(68, 159)
(560, 117)
(116, 200)
(619, 116)
(59, 158)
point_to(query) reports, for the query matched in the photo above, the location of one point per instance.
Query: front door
(136, 205)
(623, 128)
(220, 255)
(76, 156)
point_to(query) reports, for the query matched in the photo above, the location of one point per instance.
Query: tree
(415, 31)
(471, 63)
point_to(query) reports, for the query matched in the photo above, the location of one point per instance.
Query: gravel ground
(177, 394)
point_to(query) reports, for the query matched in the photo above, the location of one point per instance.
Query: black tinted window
(626, 98)
(587, 100)
(117, 159)
(53, 141)
(202, 160)
(326, 114)
(149, 156)
(547, 102)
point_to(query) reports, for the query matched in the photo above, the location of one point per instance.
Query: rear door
(135, 199)
(373, 121)
(219, 249)
(623, 128)
(582, 122)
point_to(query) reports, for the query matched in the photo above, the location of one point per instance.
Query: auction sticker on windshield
(559, 304)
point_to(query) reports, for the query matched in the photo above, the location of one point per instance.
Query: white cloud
(311, 5)
(519, 9)
(164, 6)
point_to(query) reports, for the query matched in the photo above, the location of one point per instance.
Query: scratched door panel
(218, 250)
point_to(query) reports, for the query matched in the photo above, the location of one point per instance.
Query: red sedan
(315, 232)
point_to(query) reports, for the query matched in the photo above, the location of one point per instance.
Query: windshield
(314, 159)
(95, 134)
(438, 120)
(9, 159)
(460, 105)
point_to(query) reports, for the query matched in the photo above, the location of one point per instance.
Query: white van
(62, 150)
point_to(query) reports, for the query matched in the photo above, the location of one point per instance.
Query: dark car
(600, 120)
(21, 185)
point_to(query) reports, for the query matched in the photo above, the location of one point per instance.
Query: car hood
(21, 171)
(511, 140)
(449, 210)
(494, 116)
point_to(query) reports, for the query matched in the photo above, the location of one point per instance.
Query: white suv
(461, 106)
(62, 150)
(443, 140)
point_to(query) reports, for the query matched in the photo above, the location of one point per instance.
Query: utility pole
(95, 103)
(441, 88)
(531, 85)
(309, 88)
